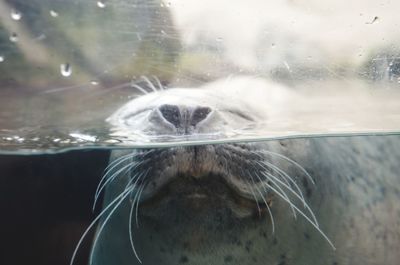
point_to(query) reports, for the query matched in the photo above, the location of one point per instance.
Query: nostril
(171, 113)
(199, 114)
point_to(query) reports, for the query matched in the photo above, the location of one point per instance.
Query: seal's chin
(206, 194)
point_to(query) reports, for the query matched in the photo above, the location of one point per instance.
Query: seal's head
(205, 202)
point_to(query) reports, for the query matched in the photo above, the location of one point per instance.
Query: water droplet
(53, 13)
(219, 39)
(273, 45)
(14, 37)
(101, 4)
(15, 14)
(375, 19)
(94, 82)
(398, 80)
(168, 4)
(66, 69)
(1, 59)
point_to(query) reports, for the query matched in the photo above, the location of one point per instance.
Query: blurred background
(67, 65)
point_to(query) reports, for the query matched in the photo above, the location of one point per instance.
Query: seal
(294, 201)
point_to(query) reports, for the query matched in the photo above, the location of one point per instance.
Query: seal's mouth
(201, 194)
(206, 188)
(224, 175)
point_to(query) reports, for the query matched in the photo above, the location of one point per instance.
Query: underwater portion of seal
(302, 201)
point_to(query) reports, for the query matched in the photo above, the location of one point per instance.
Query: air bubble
(53, 13)
(273, 45)
(14, 37)
(219, 39)
(16, 15)
(1, 59)
(66, 69)
(94, 82)
(101, 4)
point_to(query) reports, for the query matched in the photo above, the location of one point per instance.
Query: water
(48, 197)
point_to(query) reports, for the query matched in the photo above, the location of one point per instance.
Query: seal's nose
(171, 113)
(184, 117)
(199, 114)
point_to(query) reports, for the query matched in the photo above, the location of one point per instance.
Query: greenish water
(47, 193)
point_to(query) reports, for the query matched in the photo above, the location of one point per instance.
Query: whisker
(265, 188)
(125, 168)
(266, 204)
(151, 85)
(111, 166)
(132, 166)
(120, 196)
(291, 161)
(254, 195)
(130, 222)
(160, 86)
(131, 213)
(137, 206)
(305, 216)
(305, 204)
(139, 88)
(286, 177)
(128, 189)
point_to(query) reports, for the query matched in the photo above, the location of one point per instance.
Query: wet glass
(65, 66)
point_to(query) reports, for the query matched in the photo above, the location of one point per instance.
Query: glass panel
(286, 69)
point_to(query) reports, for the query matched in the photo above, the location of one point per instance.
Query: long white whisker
(130, 222)
(149, 82)
(111, 166)
(131, 213)
(292, 161)
(137, 207)
(123, 194)
(125, 168)
(160, 86)
(126, 192)
(139, 88)
(305, 216)
(286, 177)
(265, 188)
(254, 195)
(266, 204)
(305, 204)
